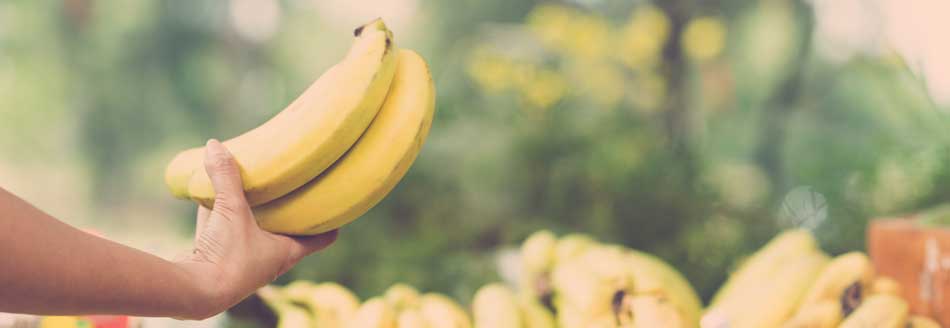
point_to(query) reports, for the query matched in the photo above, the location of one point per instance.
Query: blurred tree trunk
(784, 100)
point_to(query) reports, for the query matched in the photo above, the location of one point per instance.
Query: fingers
(303, 246)
(201, 220)
(225, 177)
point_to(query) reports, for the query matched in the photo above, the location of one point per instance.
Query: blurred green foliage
(676, 127)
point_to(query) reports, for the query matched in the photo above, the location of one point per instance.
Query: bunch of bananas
(791, 283)
(328, 305)
(589, 284)
(337, 149)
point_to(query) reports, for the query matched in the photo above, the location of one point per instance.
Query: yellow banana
(330, 304)
(844, 271)
(878, 311)
(535, 315)
(309, 135)
(362, 177)
(755, 269)
(772, 298)
(288, 315)
(821, 314)
(917, 321)
(495, 306)
(180, 170)
(411, 318)
(654, 311)
(654, 276)
(375, 313)
(609, 286)
(537, 260)
(400, 296)
(885, 285)
(441, 312)
(572, 245)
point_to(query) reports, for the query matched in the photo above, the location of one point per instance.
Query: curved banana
(180, 170)
(288, 315)
(534, 314)
(375, 313)
(653, 311)
(878, 311)
(916, 321)
(442, 312)
(772, 298)
(400, 296)
(309, 135)
(362, 177)
(844, 271)
(412, 318)
(572, 245)
(537, 260)
(495, 306)
(754, 270)
(609, 286)
(330, 304)
(821, 314)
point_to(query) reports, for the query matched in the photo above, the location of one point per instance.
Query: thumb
(225, 177)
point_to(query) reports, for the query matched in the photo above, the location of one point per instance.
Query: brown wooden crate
(919, 259)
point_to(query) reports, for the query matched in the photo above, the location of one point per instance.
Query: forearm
(48, 267)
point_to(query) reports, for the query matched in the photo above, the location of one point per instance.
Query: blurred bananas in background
(337, 150)
(791, 283)
(575, 281)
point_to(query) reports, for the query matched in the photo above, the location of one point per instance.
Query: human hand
(233, 257)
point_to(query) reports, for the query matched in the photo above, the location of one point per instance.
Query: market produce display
(575, 281)
(337, 150)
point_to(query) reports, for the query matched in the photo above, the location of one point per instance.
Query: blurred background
(694, 130)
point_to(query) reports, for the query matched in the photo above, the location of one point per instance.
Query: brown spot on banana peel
(851, 298)
(358, 30)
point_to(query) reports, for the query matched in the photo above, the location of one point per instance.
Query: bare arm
(48, 267)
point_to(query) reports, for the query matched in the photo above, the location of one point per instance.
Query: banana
(885, 285)
(441, 312)
(610, 286)
(362, 177)
(180, 170)
(330, 304)
(653, 311)
(821, 314)
(846, 279)
(401, 296)
(772, 298)
(538, 258)
(916, 321)
(572, 245)
(375, 313)
(309, 135)
(412, 318)
(288, 315)
(751, 273)
(495, 306)
(878, 311)
(534, 314)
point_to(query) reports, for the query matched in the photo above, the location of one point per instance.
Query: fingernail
(214, 146)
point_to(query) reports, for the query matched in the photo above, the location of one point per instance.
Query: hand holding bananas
(233, 256)
(51, 268)
(335, 151)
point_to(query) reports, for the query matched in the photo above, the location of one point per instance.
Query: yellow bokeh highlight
(640, 42)
(493, 72)
(704, 38)
(601, 83)
(550, 23)
(539, 88)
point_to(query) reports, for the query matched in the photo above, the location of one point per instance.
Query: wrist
(202, 296)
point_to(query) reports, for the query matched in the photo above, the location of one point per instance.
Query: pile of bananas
(572, 282)
(791, 283)
(576, 282)
(337, 149)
